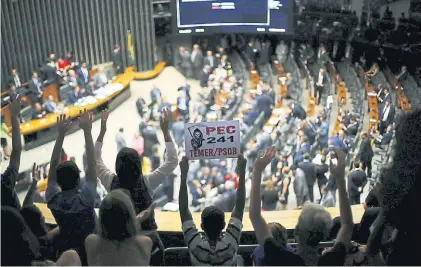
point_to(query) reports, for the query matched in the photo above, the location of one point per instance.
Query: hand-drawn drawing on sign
(212, 140)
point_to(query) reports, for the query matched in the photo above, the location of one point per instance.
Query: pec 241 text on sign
(212, 140)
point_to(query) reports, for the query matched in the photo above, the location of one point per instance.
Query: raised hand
(104, 118)
(262, 161)
(63, 124)
(164, 119)
(15, 105)
(146, 214)
(85, 120)
(338, 170)
(184, 167)
(241, 164)
(35, 174)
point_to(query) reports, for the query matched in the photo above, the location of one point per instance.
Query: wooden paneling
(33, 29)
(170, 221)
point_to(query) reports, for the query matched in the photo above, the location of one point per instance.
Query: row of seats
(179, 256)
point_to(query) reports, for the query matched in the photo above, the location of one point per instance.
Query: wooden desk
(146, 75)
(373, 109)
(401, 98)
(170, 221)
(50, 120)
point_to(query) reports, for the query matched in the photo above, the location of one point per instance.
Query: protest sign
(212, 140)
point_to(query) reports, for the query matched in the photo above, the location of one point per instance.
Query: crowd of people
(65, 72)
(125, 232)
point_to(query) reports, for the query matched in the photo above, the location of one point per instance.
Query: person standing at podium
(35, 89)
(117, 59)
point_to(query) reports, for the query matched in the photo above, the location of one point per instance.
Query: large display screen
(241, 16)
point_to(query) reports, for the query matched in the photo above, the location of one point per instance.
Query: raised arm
(347, 225)
(240, 198)
(63, 125)
(29, 198)
(16, 140)
(259, 224)
(85, 123)
(104, 174)
(171, 159)
(183, 198)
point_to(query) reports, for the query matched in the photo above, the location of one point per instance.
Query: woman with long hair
(130, 177)
(269, 196)
(119, 241)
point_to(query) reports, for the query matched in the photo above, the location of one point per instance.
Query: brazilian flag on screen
(130, 50)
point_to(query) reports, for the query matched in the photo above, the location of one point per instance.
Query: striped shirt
(225, 251)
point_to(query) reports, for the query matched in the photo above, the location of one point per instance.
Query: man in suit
(13, 92)
(352, 128)
(76, 95)
(14, 79)
(35, 89)
(366, 153)
(155, 94)
(184, 61)
(385, 138)
(117, 59)
(385, 96)
(50, 106)
(309, 169)
(183, 104)
(50, 73)
(210, 60)
(323, 132)
(403, 75)
(178, 131)
(264, 103)
(197, 61)
(150, 140)
(100, 78)
(357, 179)
(90, 88)
(320, 81)
(309, 131)
(83, 75)
(204, 76)
(386, 116)
(297, 111)
(251, 52)
(37, 112)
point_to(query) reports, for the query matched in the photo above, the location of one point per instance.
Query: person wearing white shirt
(386, 116)
(320, 82)
(100, 78)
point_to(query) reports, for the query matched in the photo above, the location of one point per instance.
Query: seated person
(13, 92)
(372, 71)
(352, 128)
(76, 95)
(386, 137)
(297, 111)
(71, 78)
(100, 78)
(50, 106)
(90, 88)
(37, 112)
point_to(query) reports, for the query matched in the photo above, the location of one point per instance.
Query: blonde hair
(269, 185)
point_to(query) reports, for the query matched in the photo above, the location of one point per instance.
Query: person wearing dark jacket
(298, 111)
(321, 169)
(309, 170)
(352, 128)
(357, 179)
(264, 103)
(386, 137)
(35, 89)
(366, 153)
(204, 77)
(386, 116)
(117, 59)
